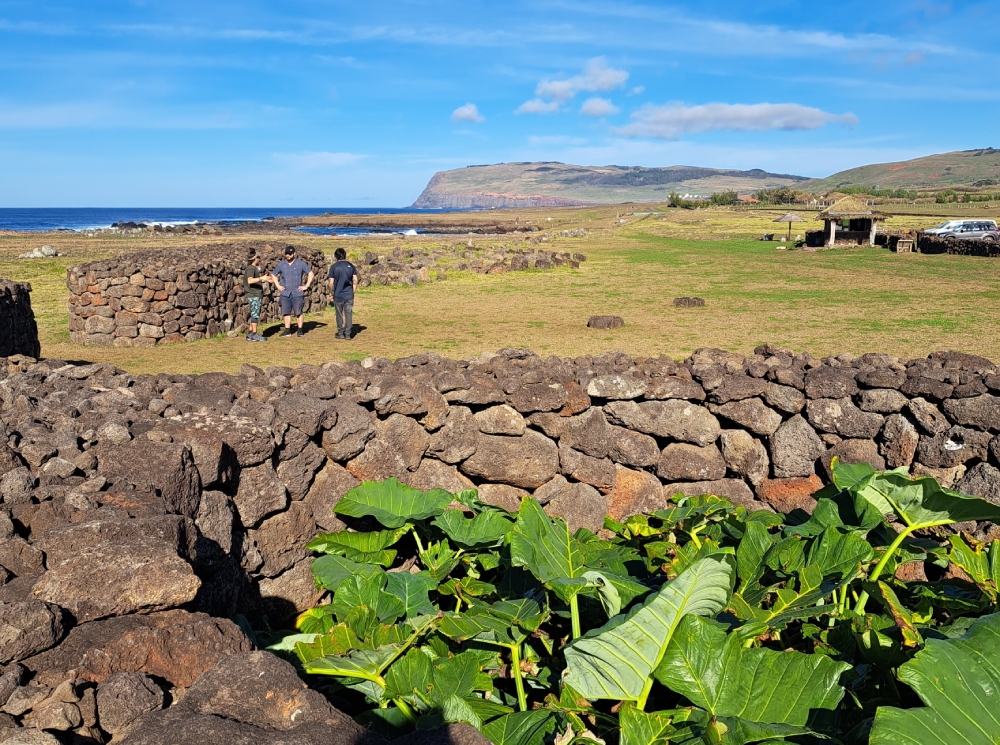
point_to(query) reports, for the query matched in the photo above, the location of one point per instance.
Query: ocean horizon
(42, 219)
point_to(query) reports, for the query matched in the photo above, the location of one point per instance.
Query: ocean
(91, 218)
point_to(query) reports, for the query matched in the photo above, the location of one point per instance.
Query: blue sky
(311, 103)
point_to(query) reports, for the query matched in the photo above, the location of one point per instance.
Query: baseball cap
(289, 250)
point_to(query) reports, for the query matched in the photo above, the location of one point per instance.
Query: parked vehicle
(969, 229)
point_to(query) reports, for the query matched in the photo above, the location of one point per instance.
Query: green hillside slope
(552, 184)
(959, 168)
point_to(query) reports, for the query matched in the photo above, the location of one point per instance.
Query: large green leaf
(795, 601)
(521, 728)
(980, 562)
(839, 552)
(545, 547)
(330, 570)
(392, 503)
(959, 682)
(640, 728)
(484, 529)
(923, 502)
(364, 547)
(617, 660)
(412, 590)
(714, 671)
(368, 592)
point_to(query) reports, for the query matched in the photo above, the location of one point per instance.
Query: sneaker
(251, 337)
(287, 332)
(258, 337)
(339, 335)
(300, 332)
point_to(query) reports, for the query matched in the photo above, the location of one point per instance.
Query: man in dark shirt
(293, 277)
(343, 281)
(253, 288)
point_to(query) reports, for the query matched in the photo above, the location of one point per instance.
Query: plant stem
(574, 615)
(647, 686)
(515, 664)
(420, 545)
(877, 572)
(694, 538)
(406, 709)
(458, 604)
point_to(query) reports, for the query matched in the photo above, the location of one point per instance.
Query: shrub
(701, 623)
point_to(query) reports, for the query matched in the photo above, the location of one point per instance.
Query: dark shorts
(255, 303)
(292, 306)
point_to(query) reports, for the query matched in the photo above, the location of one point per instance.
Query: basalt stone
(281, 539)
(136, 575)
(899, 441)
(830, 382)
(674, 387)
(290, 593)
(353, 429)
(952, 447)
(605, 322)
(539, 397)
(616, 387)
(982, 480)
(794, 448)
(927, 416)
(750, 413)
(678, 420)
(581, 506)
(168, 469)
(63, 543)
(789, 494)
(882, 400)
(927, 388)
(843, 417)
(203, 400)
(882, 378)
(260, 493)
(28, 628)
(635, 493)
(598, 472)
(21, 558)
(213, 438)
(125, 697)
(397, 448)
(589, 433)
(175, 645)
(433, 474)
(330, 484)
(744, 455)
(297, 474)
(304, 412)
(737, 388)
(16, 486)
(216, 520)
(853, 451)
(457, 439)
(981, 412)
(632, 448)
(500, 420)
(502, 495)
(946, 477)
(527, 461)
(681, 461)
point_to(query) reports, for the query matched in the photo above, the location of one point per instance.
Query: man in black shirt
(343, 281)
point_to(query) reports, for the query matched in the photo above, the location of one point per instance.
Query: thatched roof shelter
(849, 221)
(850, 208)
(790, 217)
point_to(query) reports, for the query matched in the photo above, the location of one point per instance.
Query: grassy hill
(946, 170)
(508, 185)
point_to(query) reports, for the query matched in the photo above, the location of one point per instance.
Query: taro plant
(701, 623)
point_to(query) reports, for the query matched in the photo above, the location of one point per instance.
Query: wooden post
(871, 236)
(833, 232)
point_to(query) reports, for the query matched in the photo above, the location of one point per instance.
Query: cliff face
(559, 184)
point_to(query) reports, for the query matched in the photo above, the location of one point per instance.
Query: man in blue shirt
(294, 278)
(343, 281)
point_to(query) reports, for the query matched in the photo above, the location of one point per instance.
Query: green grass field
(854, 300)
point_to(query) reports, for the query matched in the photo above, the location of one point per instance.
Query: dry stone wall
(196, 495)
(18, 330)
(164, 297)
(933, 244)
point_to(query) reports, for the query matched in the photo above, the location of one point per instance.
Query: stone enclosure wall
(932, 244)
(142, 299)
(18, 330)
(196, 495)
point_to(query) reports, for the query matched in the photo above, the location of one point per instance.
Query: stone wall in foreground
(142, 299)
(18, 330)
(196, 495)
(933, 244)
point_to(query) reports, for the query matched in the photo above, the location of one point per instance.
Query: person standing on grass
(253, 288)
(293, 278)
(343, 281)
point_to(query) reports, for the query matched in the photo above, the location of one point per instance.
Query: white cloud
(672, 121)
(550, 140)
(550, 94)
(467, 113)
(312, 161)
(638, 90)
(537, 106)
(598, 107)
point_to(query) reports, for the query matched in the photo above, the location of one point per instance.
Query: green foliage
(699, 624)
(722, 198)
